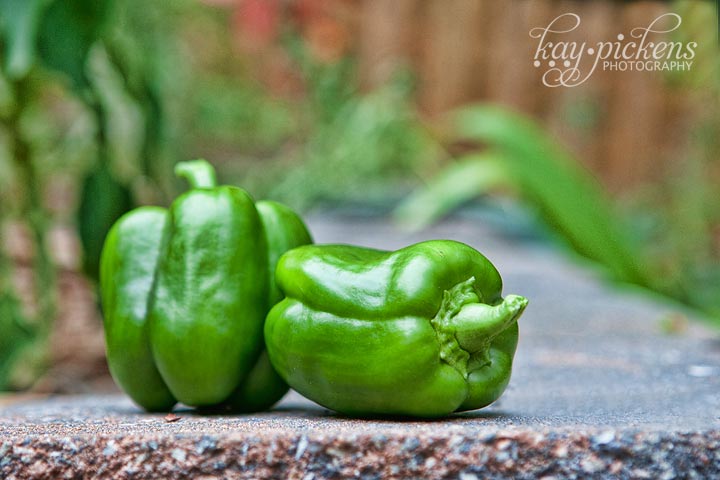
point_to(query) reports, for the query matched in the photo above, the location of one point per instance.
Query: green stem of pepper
(477, 323)
(466, 327)
(198, 173)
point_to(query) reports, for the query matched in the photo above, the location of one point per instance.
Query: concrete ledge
(598, 391)
(302, 441)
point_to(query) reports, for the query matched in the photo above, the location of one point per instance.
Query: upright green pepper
(422, 331)
(185, 292)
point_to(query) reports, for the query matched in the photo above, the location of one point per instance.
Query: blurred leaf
(14, 338)
(120, 120)
(468, 177)
(29, 363)
(705, 291)
(136, 48)
(243, 115)
(19, 20)
(103, 201)
(361, 154)
(68, 30)
(567, 196)
(330, 85)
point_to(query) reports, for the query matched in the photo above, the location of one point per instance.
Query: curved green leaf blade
(469, 177)
(568, 197)
(67, 32)
(19, 20)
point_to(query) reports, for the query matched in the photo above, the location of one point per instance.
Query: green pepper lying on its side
(422, 331)
(185, 292)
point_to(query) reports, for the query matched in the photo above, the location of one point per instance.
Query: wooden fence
(629, 127)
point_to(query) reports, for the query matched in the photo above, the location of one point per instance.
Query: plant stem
(33, 211)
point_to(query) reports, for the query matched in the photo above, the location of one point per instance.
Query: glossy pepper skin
(185, 292)
(422, 331)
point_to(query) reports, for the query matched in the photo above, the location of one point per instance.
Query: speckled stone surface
(598, 391)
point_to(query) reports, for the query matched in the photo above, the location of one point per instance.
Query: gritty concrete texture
(598, 391)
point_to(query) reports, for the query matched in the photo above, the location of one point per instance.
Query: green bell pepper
(185, 292)
(422, 331)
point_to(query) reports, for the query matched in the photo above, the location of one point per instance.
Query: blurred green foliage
(103, 96)
(673, 254)
(107, 95)
(667, 239)
(359, 151)
(66, 72)
(331, 142)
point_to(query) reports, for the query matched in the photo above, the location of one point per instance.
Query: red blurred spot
(257, 22)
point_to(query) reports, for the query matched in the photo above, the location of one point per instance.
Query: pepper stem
(477, 323)
(198, 173)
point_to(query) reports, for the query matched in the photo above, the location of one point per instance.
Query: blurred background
(409, 110)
